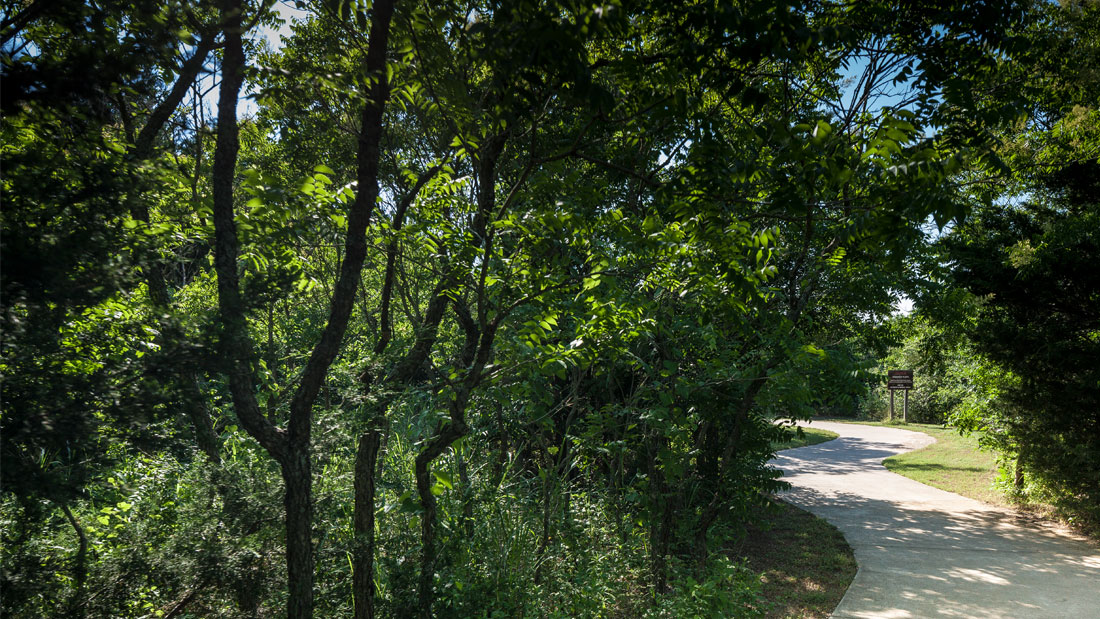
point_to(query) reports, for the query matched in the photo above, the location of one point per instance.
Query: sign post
(899, 379)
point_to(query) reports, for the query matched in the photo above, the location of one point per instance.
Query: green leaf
(445, 479)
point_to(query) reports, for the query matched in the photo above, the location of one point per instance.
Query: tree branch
(343, 298)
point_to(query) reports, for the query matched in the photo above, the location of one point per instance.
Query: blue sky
(274, 37)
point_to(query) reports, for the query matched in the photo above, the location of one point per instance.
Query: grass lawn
(810, 436)
(804, 562)
(953, 463)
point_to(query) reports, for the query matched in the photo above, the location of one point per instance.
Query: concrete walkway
(923, 552)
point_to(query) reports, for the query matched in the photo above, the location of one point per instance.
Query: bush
(729, 590)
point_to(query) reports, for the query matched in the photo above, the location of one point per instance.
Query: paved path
(923, 552)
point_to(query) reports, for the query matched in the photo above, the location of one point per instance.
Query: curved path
(923, 552)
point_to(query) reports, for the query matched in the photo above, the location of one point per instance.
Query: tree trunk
(466, 492)
(199, 415)
(299, 535)
(188, 73)
(290, 448)
(721, 463)
(363, 556)
(661, 517)
(425, 586)
(544, 539)
(702, 534)
(1019, 481)
(80, 566)
(442, 441)
(402, 374)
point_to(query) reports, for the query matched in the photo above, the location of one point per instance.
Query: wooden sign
(899, 379)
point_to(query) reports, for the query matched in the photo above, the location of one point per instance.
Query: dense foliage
(1007, 339)
(488, 309)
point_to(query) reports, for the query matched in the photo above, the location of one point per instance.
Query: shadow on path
(923, 552)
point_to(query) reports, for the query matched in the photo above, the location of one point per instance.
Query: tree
(478, 285)
(75, 334)
(1025, 258)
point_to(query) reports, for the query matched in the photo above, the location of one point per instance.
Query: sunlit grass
(809, 436)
